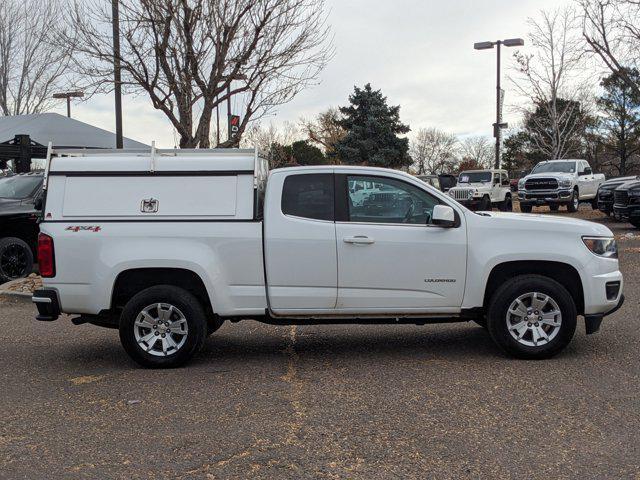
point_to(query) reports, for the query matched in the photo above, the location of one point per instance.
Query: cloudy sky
(418, 52)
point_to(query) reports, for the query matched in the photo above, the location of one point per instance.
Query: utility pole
(499, 125)
(117, 91)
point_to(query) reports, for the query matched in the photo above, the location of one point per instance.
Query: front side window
(393, 201)
(309, 195)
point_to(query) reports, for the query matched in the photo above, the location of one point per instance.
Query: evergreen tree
(621, 107)
(306, 154)
(372, 129)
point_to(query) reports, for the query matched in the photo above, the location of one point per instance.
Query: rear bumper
(47, 303)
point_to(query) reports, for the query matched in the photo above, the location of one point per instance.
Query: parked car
(442, 182)
(605, 193)
(513, 183)
(559, 182)
(167, 265)
(18, 224)
(483, 190)
(627, 202)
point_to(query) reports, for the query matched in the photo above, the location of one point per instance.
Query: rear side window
(309, 196)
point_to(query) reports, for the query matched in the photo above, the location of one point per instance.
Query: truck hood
(557, 175)
(537, 222)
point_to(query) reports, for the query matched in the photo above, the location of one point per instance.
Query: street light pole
(497, 132)
(68, 96)
(117, 83)
(499, 125)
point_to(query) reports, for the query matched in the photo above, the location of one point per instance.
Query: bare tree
(264, 137)
(433, 151)
(324, 130)
(611, 28)
(190, 56)
(32, 64)
(477, 150)
(552, 80)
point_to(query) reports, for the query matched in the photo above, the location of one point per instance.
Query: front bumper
(544, 197)
(47, 303)
(629, 211)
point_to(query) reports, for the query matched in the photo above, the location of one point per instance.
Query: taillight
(46, 259)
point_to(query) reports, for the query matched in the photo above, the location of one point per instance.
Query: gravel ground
(322, 402)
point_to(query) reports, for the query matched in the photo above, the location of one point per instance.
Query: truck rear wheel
(574, 202)
(163, 327)
(16, 259)
(635, 222)
(532, 317)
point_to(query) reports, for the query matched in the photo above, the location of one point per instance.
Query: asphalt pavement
(322, 402)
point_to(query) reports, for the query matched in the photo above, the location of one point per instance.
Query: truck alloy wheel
(163, 327)
(532, 316)
(574, 203)
(534, 319)
(16, 259)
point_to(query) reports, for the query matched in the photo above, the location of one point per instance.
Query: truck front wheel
(532, 317)
(506, 205)
(485, 204)
(163, 327)
(574, 201)
(526, 208)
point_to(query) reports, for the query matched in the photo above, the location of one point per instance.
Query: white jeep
(483, 190)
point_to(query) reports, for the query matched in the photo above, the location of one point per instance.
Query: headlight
(634, 193)
(566, 183)
(602, 246)
(521, 183)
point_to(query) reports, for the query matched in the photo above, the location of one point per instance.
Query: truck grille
(621, 197)
(461, 193)
(541, 184)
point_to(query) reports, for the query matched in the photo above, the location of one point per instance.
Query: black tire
(485, 204)
(594, 203)
(186, 303)
(526, 208)
(508, 293)
(16, 259)
(554, 207)
(506, 205)
(635, 222)
(574, 201)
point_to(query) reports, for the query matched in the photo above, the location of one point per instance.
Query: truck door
(391, 259)
(300, 242)
(586, 182)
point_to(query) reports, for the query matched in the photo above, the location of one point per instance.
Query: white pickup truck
(559, 182)
(166, 245)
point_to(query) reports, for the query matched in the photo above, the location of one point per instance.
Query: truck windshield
(474, 177)
(18, 187)
(558, 167)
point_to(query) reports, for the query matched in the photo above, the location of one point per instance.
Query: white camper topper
(83, 184)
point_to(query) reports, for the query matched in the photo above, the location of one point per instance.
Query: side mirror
(443, 216)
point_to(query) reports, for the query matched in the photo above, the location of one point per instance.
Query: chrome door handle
(359, 240)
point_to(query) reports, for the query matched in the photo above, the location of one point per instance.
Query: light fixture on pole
(499, 125)
(68, 96)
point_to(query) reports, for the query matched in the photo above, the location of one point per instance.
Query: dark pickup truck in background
(18, 224)
(605, 193)
(626, 204)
